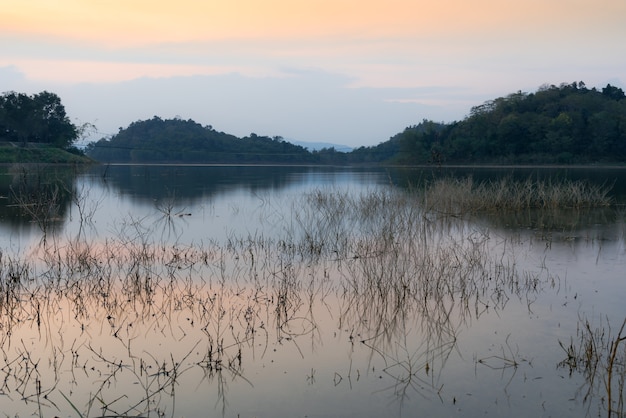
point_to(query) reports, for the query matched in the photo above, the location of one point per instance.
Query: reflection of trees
(414, 178)
(138, 307)
(188, 183)
(572, 220)
(43, 194)
(37, 194)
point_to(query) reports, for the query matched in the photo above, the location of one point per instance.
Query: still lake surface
(298, 291)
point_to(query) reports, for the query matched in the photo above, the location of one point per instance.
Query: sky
(341, 71)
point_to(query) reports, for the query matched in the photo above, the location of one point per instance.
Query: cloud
(303, 105)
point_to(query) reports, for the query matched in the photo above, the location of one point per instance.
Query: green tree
(185, 141)
(15, 111)
(55, 125)
(613, 92)
(40, 118)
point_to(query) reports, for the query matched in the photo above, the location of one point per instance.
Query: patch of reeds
(465, 195)
(397, 263)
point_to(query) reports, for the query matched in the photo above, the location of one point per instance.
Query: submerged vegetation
(458, 196)
(396, 274)
(600, 355)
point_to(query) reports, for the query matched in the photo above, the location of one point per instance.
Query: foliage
(565, 124)
(185, 141)
(554, 125)
(39, 119)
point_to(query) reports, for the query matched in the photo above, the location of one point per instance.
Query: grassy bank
(10, 153)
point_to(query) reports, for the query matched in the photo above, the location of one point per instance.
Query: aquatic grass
(600, 355)
(71, 404)
(39, 193)
(457, 196)
(401, 262)
(378, 262)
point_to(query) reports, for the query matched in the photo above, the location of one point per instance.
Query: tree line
(38, 119)
(565, 124)
(176, 140)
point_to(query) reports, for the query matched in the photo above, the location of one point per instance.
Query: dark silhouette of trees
(184, 141)
(613, 92)
(40, 118)
(565, 124)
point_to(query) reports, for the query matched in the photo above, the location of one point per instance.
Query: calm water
(282, 291)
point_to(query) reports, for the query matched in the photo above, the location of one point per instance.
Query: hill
(184, 141)
(568, 124)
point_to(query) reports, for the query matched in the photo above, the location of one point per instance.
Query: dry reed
(387, 263)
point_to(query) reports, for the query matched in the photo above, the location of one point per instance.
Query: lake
(272, 291)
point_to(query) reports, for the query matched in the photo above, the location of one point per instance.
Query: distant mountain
(316, 146)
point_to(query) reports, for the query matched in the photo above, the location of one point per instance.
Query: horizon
(343, 72)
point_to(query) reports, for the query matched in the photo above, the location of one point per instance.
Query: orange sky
(119, 23)
(359, 31)
(140, 22)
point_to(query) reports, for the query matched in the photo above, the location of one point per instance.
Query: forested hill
(566, 124)
(184, 141)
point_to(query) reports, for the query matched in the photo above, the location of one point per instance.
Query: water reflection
(188, 185)
(338, 300)
(615, 177)
(36, 195)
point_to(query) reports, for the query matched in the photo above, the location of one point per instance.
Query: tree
(186, 141)
(569, 123)
(613, 92)
(56, 127)
(14, 111)
(40, 118)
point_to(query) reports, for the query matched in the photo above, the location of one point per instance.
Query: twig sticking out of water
(601, 358)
